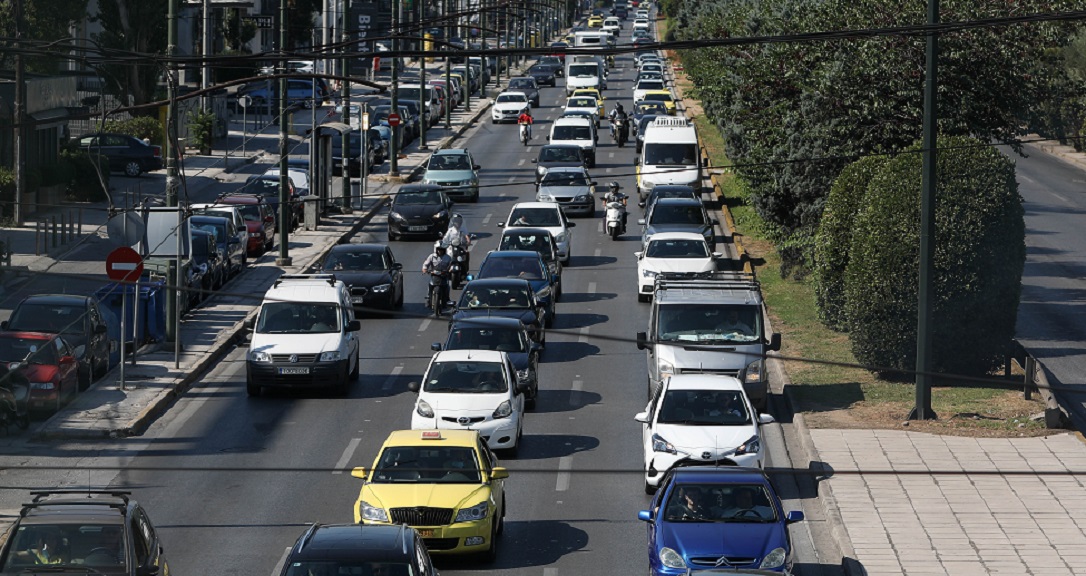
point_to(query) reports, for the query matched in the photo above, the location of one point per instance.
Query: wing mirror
(436, 346)
(644, 516)
(397, 266)
(414, 386)
(354, 326)
(99, 329)
(360, 472)
(642, 341)
(775, 341)
(642, 417)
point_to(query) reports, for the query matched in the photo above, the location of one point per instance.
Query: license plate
(299, 370)
(417, 228)
(357, 299)
(426, 533)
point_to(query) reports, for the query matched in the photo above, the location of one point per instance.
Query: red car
(50, 367)
(259, 219)
(558, 49)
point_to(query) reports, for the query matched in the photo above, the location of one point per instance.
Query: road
(232, 481)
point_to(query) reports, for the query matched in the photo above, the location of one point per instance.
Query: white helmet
(439, 245)
(456, 220)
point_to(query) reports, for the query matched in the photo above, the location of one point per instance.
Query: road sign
(125, 228)
(124, 265)
(394, 119)
(245, 101)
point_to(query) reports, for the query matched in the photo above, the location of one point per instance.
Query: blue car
(524, 264)
(713, 518)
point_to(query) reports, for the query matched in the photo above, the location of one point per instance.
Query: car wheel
(642, 297)
(491, 554)
(391, 237)
(649, 488)
(501, 522)
(399, 300)
(85, 377)
(132, 168)
(253, 390)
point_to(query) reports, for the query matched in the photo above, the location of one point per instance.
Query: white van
(585, 74)
(669, 155)
(577, 131)
(303, 336)
(590, 39)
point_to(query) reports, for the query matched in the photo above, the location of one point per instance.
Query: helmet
(439, 247)
(618, 107)
(456, 220)
(613, 185)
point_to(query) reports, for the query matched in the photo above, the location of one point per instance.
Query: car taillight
(157, 151)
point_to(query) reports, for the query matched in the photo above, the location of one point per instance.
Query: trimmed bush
(834, 238)
(85, 184)
(979, 255)
(140, 127)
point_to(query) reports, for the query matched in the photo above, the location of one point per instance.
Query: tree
(44, 21)
(237, 32)
(133, 32)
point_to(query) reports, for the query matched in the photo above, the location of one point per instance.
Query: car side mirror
(523, 387)
(640, 221)
(354, 326)
(4, 325)
(100, 329)
(718, 255)
(642, 340)
(638, 255)
(644, 516)
(775, 341)
(436, 347)
(592, 183)
(397, 266)
(535, 347)
(414, 386)
(766, 419)
(360, 472)
(250, 323)
(794, 516)
(499, 473)
(475, 167)
(714, 221)
(705, 162)
(148, 570)
(642, 417)
(637, 159)
(534, 161)
(571, 224)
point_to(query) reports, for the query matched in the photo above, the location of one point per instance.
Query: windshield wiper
(443, 389)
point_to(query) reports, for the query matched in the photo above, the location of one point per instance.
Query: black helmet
(439, 247)
(618, 107)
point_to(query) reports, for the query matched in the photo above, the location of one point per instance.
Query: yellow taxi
(593, 92)
(595, 21)
(444, 483)
(661, 96)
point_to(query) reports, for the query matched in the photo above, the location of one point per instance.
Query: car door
(97, 338)
(68, 378)
(648, 428)
(516, 396)
(395, 272)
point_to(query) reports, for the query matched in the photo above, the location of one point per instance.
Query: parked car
(124, 153)
(78, 319)
(419, 210)
(268, 187)
(527, 265)
(48, 364)
(259, 219)
(236, 234)
(358, 549)
(455, 171)
(736, 516)
(371, 273)
(220, 268)
(503, 297)
(507, 335)
(354, 157)
(300, 92)
(207, 254)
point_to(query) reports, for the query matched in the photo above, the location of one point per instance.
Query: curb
(163, 400)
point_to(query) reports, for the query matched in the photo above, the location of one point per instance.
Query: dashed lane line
(565, 464)
(346, 457)
(392, 376)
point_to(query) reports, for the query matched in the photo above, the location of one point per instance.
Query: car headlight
(774, 559)
(752, 374)
(504, 410)
(397, 217)
(260, 357)
(563, 237)
(476, 512)
(372, 513)
(544, 197)
(254, 234)
(42, 386)
(331, 356)
(753, 445)
(423, 409)
(381, 288)
(441, 215)
(665, 368)
(648, 184)
(646, 273)
(582, 198)
(671, 558)
(659, 444)
(428, 181)
(470, 182)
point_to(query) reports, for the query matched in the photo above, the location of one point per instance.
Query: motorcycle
(615, 216)
(525, 133)
(621, 131)
(461, 262)
(14, 393)
(439, 292)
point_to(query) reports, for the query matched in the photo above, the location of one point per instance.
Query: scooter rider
(613, 195)
(439, 262)
(457, 239)
(619, 113)
(525, 119)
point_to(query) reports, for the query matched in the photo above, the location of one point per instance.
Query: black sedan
(528, 85)
(504, 335)
(124, 153)
(354, 157)
(419, 210)
(503, 298)
(371, 273)
(544, 74)
(559, 67)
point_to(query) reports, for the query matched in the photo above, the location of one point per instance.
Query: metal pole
(124, 302)
(172, 305)
(20, 116)
(285, 210)
(448, 69)
(205, 72)
(365, 123)
(345, 201)
(180, 294)
(424, 114)
(925, 292)
(397, 17)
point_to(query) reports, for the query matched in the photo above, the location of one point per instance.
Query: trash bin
(152, 311)
(311, 211)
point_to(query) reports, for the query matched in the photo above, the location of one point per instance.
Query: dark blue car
(706, 518)
(527, 265)
(508, 335)
(503, 298)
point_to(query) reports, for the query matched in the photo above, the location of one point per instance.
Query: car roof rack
(330, 278)
(709, 280)
(40, 495)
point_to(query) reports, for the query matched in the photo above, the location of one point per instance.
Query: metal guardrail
(1034, 379)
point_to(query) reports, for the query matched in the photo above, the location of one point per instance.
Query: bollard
(80, 221)
(37, 238)
(1027, 389)
(54, 219)
(63, 230)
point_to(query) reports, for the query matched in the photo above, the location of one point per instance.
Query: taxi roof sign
(431, 434)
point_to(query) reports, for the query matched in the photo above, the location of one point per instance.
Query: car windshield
(349, 567)
(507, 267)
(249, 212)
(719, 503)
(36, 350)
(259, 185)
(661, 154)
(703, 408)
(522, 82)
(708, 323)
(584, 70)
(535, 217)
(298, 318)
(650, 85)
(210, 229)
(51, 318)
(553, 178)
(581, 103)
(430, 464)
(519, 98)
(84, 547)
(354, 261)
(560, 155)
(481, 337)
(481, 297)
(676, 214)
(412, 94)
(677, 249)
(465, 378)
(418, 198)
(449, 162)
(571, 133)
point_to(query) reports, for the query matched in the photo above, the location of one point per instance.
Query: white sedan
(700, 420)
(585, 104)
(547, 215)
(508, 106)
(675, 252)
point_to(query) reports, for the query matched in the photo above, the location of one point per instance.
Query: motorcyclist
(439, 262)
(613, 195)
(457, 239)
(617, 113)
(525, 119)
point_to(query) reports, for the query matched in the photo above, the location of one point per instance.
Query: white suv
(472, 390)
(700, 420)
(578, 131)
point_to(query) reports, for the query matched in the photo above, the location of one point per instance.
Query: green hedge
(84, 183)
(142, 127)
(834, 238)
(979, 255)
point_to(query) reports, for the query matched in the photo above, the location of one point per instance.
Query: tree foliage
(133, 26)
(44, 21)
(979, 255)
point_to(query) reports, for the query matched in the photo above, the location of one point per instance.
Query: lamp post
(397, 17)
(424, 114)
(284, 192)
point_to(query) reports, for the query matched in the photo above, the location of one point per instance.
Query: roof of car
(702, 381)
(63, 506)
(57, 299)
(419, 187)
(527, 231)
(447, 437)
(559, 169)
(681, 201)
(512, 254)
(573, 118)
(365, 247)
(566, 146)
(451, 152)
(723, 475)
(677, 236)
(354, 542)
(469, 355)
(241, 198)
(551, 205)
(499, 282)
(503, 322)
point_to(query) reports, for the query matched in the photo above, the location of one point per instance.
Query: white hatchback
(546, 215)
(672, 252)
(641, 24)
(700, 420)
(472, 390)
(508, 106)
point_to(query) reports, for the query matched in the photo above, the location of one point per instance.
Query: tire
(649, 489)
(356, 372)
(501, 526)
(253, 390)
(491, 554)
(132, 169)
(399, 301)
(391, 237)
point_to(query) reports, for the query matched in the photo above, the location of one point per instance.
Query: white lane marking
(346, 457)
(599, 227)
(575, 392)
(425, 324)
(486, 219)
(546, 571)
(584, 335)
(598, 250)
(521, 162)
(591, 287)
(512, 179)
(395, 373)
(610, 154)
(608, 170)
(282, 560)
(565, 463)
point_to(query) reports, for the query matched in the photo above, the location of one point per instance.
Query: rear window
(54, 319)
(571, 133)
(584, 70)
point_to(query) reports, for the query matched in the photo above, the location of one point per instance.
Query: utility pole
(285, 209)
(205, 47)
(397, 17)
(345, 200)
(173, 303)
(20, 117)
(448, 66)
(424, 114)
